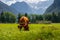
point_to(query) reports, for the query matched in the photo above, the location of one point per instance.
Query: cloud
(32, 1)
(44, 0)
(6, 0)
(28, 1)
(9, 2)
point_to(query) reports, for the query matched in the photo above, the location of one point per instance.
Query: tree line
(34, 18)
(8, 17)
(54, 17)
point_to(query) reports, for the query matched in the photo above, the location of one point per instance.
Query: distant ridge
(22, 7)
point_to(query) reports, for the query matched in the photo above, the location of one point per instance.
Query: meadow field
(36, 32)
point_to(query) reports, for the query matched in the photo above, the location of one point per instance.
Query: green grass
(36, 32)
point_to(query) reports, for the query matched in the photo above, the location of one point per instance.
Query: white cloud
(32, 1)
(44, 0)
(35, 1)
(9, 2)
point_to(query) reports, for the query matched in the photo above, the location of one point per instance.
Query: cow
(23, 22)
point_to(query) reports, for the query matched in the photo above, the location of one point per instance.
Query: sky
(9, 2)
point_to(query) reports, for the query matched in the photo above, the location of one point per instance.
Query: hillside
(4, 7)
(22, 7)
(55, 7)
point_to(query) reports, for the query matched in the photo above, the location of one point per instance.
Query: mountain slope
(40, 7)
(22, 7)
(55, 7)
(4, 7)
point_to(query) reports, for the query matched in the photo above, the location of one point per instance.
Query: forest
(8, 17)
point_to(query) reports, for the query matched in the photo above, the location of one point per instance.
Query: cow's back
(24, 19)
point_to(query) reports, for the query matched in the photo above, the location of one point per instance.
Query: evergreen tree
(54, 17)
(48, 17)
(2, 17)
(7, 17)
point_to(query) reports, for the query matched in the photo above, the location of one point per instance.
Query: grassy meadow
(36, 32)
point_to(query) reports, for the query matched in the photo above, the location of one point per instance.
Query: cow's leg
(20, 27)
(26, 28)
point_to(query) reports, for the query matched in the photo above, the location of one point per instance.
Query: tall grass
(36, 32)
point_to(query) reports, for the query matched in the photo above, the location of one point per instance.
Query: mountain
(40, 7)
(22, 7)
(55, 7)
(4, 7)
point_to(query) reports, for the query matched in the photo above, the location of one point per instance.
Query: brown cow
(23, 22)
